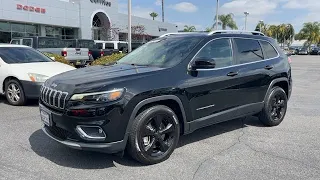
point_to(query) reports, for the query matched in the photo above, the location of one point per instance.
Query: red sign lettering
(37, 10)
(31, 8)
(19, 6)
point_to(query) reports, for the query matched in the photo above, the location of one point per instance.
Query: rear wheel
(275, 107)
(14, 93)
(154, 135)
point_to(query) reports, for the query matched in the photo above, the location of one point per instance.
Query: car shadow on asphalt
(45, 147)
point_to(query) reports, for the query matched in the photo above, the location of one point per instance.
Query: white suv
(23, 70)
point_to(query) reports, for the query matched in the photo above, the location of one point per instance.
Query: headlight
(105, 96)
(37, 77)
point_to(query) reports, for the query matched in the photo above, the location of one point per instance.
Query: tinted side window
(248, 50)
(27, 42)
(220, 51)
(99, 45)
(269, 50)
(109, 46)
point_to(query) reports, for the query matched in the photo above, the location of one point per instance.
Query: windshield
(165, 52)
(16, 55)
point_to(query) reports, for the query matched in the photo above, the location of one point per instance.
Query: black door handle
(268, 67)
(232, 74)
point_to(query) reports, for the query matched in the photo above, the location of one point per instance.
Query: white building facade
(70, 19)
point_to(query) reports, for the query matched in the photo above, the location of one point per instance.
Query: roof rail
(236, 31)
(178, 33)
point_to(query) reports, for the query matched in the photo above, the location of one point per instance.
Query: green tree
(227, 21)
(264, 27)
(154, 15)
(272, 31)
(208, 29)
(189, 28)
(310, 32)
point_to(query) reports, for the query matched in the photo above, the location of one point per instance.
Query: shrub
(58, 58)
(108, 59)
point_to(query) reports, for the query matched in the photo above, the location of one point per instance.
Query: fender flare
(156, 99)
(273, 82)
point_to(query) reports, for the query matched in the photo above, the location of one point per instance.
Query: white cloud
(184, 7)
(312, 5)
(136, 10)
(158, 3)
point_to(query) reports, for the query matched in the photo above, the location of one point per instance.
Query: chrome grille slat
(53, 98)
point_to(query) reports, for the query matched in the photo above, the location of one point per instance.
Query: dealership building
(70, 19)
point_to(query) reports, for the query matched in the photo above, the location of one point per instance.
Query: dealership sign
(102, 2)
(31, 8)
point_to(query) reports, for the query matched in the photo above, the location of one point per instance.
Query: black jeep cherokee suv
(168, 87)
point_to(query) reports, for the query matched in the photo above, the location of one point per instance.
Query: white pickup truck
(76, 56)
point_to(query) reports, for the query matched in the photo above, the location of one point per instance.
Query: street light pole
(129, 27)
(245, 24)
(217, 15)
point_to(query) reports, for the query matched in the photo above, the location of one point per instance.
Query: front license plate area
(45, 117)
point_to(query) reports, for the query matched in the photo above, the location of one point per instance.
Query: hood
(98, 76)
(44, 68)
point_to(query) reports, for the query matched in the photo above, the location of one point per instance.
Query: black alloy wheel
(275, 107)
(155, 135)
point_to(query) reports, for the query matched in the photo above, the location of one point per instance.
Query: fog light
(91, 133)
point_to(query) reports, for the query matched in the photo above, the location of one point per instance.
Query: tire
(12, 88)
(275, 107)
(146, 143)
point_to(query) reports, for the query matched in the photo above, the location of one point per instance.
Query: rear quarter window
(248, 50)
(269, 50)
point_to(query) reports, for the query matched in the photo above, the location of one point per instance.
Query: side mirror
(53, 58)
(203, 63)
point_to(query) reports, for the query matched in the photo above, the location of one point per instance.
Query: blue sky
(200, 13)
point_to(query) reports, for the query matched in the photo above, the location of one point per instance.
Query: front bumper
(63, 129)
(31, 89)
(113, 147)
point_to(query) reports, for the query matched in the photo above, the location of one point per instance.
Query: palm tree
(189, 28)
(273, 31)
(289, 35)
(227, 21)
(310, 32)
(264, 27)
(154, 15)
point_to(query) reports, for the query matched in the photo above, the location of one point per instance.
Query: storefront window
(4, 26)
(63, 33)
(18, 27)
(32, 29)
(18, 34)
(10, 30)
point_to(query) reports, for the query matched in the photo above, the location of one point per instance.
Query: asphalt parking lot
(240, 149)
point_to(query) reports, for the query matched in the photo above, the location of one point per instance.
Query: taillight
(289, 60)
(89, 53)
(64, 53)
(101, 53)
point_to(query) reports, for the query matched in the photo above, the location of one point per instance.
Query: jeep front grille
(53, 97)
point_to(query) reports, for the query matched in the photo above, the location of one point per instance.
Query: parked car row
(78, 52)
(303, 51)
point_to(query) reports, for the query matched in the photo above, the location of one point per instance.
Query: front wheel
(14, 93)
(274, 108)
(154, 135)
